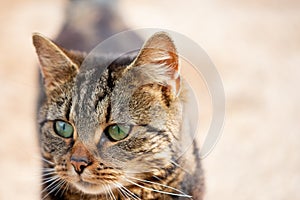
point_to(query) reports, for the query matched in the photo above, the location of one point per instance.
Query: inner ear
(159, 57)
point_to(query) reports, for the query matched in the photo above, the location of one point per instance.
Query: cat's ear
(57, 67)
(159, 58)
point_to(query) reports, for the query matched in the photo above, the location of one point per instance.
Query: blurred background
(255, 45)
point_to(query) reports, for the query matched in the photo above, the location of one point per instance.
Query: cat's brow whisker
(155, 190)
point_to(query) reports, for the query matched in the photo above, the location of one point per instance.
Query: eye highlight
(117, 132)
(63, 129)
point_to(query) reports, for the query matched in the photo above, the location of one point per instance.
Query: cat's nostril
(79, 164)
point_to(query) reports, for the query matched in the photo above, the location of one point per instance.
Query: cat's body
(113, 129)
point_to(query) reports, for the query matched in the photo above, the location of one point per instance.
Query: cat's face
(106, 126)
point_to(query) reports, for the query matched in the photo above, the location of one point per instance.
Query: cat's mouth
(90, 188)
(94, 183)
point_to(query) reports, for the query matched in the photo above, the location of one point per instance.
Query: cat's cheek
(52, 143)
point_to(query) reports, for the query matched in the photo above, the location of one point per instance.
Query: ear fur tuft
(159, 60)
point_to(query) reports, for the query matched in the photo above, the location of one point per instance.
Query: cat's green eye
(64, 129)
(118, 132)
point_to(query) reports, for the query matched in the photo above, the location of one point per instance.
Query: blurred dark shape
(87, 23)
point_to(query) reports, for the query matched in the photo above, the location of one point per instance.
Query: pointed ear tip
(38, 36)
(36, 33)
(40, 40)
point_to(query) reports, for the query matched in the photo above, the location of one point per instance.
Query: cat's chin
(90, 188)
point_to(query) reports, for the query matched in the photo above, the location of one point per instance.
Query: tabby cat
(113, 129)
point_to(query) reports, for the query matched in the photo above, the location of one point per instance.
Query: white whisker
(47, 161)
(54, 180)
(48, 169)
(120, 190)
(60, 187)
(112, 193)
(48, 174)
(157, 178)
(177, 165)
(50, 179)
(162, 185)
(108, 191)
(66, 187)
(54, 188)
(127, 191)
(159, 191)
(50, 187)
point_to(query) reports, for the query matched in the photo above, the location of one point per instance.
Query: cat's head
(107, 122)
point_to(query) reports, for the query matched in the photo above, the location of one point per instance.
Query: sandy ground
(255, 46)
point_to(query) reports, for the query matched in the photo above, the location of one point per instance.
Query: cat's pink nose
(79, 164)
(80, 157)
